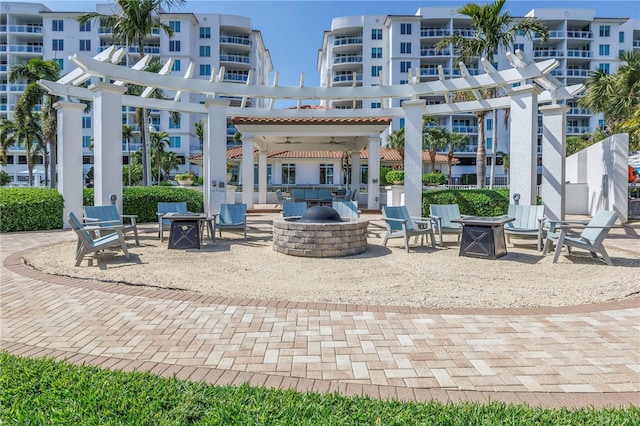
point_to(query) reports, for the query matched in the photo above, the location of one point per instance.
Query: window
(605, 30)
(174, 45)
(57, 25)
(175, 26)
(621, 36)
(205, 69)
(256, 174)
(205, 32)
(404, 82)
(604, 50)
(86, 141)
(376, 105)
(604, 67)
(176, 65)
(22, 159)
(57, 44)
(376, 52)
(87, 159)
(86, 27)
(86, 122)
(326, 174)
(376, 70)
(405, 47)
(175, 125)
(402, 123)
(205, 51)
(602, 124)
(405, 66)
(10, 159)
(60, 62)
(489, 124)
(174, 141)
(376, 34)
(518, 46)
(488, 143)
(405, 28)
(85, 45)
(288, 173)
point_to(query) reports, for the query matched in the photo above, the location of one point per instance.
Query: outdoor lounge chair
(280, 197)
(347, 209)
(591, 238)
(528, 223)
(401, 225)
(164, 208)
(89, 243)
(231, 216)
(442, 214)
(104, 216)
(293, 209)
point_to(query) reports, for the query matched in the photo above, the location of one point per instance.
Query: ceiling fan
(333, 141)
(288, 142)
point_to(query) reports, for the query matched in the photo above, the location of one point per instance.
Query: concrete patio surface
(574, 356)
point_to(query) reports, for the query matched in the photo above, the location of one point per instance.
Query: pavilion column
(523, 150)
(554, 136)
(107, 143)
(355, 171)
(373, 176)
(214, 162)
(70, 175)
(247, 170)
(262, 176)
(413, 112)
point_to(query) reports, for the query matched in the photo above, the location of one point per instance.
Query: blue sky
(293, 30)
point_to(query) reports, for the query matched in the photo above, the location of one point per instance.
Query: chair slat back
(104, 213)
(77, 225)
(526, 216)
(293, 208)
(232, 213)
(176, 207)
(446, 212)
(602, 219)
(311, 194)
(397, 212)
(324, 194)
(297, 194)
(346, 208)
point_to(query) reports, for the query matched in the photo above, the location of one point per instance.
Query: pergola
(529, 88)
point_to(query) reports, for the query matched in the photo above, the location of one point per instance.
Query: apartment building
(373, 50)
(210, 42)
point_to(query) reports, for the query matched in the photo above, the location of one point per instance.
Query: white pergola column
(355, 172)
(70, 175)
(107, 143)
(214, 162)
(523, 151)
(554, 149)
(247, 170)
(373, 183)
(206, 193)
(413, 112)
(262, 176)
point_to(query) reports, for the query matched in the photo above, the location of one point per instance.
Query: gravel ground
(426, 277)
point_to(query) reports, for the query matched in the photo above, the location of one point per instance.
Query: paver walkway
(575, 356)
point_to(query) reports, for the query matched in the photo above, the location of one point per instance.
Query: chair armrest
(466, 215)
(563, 227)
(387, 219)
(96, 221)
(132, 218)
(101, 228)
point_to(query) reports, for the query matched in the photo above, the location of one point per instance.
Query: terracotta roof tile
(311, 120)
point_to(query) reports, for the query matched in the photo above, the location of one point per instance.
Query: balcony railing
(133, 147)
(242, 59)
(543, 53)
(4, 68)
(434, 52)
(636, 43)
(464, 32)
(235, 77)
(24, 48)
(434, 32)
(576, 53)
(346, 77)
(579, 34)
(30, 29)
(557, 73)
(433, 71)
(552, 34)
(12, 87)
(347, 59)
(347, 40)
(195, 148)
(577, 73)
(472, 71)
(578, 111)
(245, 41)
(464, 129)
(468, 148)
(578, 130)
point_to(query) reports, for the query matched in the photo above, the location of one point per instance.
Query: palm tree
(158, 142)
(505, 163)
(127, 134)
(132, 21)
(199, 133)
(32, 71)
(456, 140)
(169, 161)
(434, 137)
(495, 30)
(27, 133)
(395, 140)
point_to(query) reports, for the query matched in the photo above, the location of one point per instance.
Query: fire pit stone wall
(306, 239)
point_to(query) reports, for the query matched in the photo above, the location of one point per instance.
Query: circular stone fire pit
(320, 233)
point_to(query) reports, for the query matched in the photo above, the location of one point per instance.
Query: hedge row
(30, 209)
(474, 202)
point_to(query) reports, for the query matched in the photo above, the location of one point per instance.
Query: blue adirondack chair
(442, 215)
(280, 197)
(591, 238)
(348, 209)
(164, 208)
(401, 225)
(527, 224)
(89, 243)
(293, 209)
(105, 216)
(231, 216)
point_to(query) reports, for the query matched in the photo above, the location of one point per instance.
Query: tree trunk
(53, 151)
(494, 149)
(481, 155)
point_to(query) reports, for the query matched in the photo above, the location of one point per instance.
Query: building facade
(226, 46)
(393, 49)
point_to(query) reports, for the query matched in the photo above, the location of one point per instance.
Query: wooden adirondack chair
(164, 208)
(401, 225)
(89, 243)
(293, 209)
(593, 234)
(348, 209)
(231, 216)
(442, 215)
(528, 223)
(104, 216)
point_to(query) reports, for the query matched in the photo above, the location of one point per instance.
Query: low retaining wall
(320, 239)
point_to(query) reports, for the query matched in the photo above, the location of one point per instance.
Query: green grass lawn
(44, 391)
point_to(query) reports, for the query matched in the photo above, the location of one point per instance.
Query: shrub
(383, 175)
(185, 176)
(5, 179)
(433, 178)
(395, 176)
(475, 202)
(30, 209)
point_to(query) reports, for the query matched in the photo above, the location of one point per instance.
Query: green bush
(433, 178)
(383, 175)
(30, 209)
(5, 179)
(474, 202)
(395, 176)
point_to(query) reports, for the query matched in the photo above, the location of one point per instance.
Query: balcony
(434, 32)
(552, 35)
(195, 148)
(557, 73)
(238, 59)
(427, 72)
(464, 32)
(458, 128)
(243, 41)
(235, 77)
(346, 78)
(468, 148)
(636, 43)
(12, 87)
(472, 71)
(587, 35)
(347, 59)
(150, 48)
(544, 53)
(434, 52)
(133, 147)
(4, 68)
(23, 48)
(578, 130)
(25, 29)
(342, 41)
(577, 73)
(577, 53)
(578, 111)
